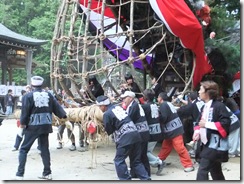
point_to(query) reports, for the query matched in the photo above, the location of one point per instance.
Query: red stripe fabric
(96, 6)
(221, 130)
(181, 21)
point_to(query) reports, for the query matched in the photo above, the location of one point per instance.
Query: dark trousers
(29, 138)
(209, 166)
(144, 157)
(134, 153)
(18, 140)
(188, 129)
(144, 160)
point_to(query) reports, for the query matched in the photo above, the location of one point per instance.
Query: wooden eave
(8, 37)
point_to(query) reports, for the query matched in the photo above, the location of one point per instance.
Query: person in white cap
(137, 115)
(127, 139)
(36, 122)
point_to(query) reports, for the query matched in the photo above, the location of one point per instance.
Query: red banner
(180, 21)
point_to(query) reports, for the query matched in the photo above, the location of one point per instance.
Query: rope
(83, 53)
(107, 163)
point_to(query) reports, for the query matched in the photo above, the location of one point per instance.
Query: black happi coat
(192, 109)
(152, 116)
(217, 146)
(137, 114)
(171, 123)
(37, 109)
(235, 122)
(117, 121)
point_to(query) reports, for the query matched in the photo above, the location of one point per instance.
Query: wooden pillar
(3, 59)
(28, 60)
(4, 71)
(10, 74)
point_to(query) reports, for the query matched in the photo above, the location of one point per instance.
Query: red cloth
(18, 123)
(91, 128)
(123, 106)
(141, 100)
(204, 14)
(180, 21)
(237, 76)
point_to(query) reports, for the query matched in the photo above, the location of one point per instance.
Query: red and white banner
(118, 46)
(181, 22)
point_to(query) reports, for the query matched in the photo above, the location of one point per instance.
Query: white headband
(105, 102)
(37, 81)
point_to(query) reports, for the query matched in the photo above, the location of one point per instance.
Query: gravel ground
(94, 164)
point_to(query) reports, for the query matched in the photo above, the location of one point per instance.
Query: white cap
(128, 93)
(36, 81)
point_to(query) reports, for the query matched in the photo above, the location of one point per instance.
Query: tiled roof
(10, 36)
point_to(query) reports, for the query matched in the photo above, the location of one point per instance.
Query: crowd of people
(212, 126)
(142, 120)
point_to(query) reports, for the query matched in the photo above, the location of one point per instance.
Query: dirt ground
(96, 165)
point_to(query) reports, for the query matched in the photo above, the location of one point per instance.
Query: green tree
(34, 19)
(232, 7)
(227, 28)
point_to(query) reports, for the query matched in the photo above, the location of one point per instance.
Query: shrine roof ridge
(7, 34)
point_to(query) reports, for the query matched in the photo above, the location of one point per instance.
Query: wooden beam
(4, 71)
(29, 54)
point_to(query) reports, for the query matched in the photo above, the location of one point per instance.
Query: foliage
(232, 7)
(227, 37)
(34, 19)
(221, 21)
(232, 53)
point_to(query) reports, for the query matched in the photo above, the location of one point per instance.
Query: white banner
(16, 90)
